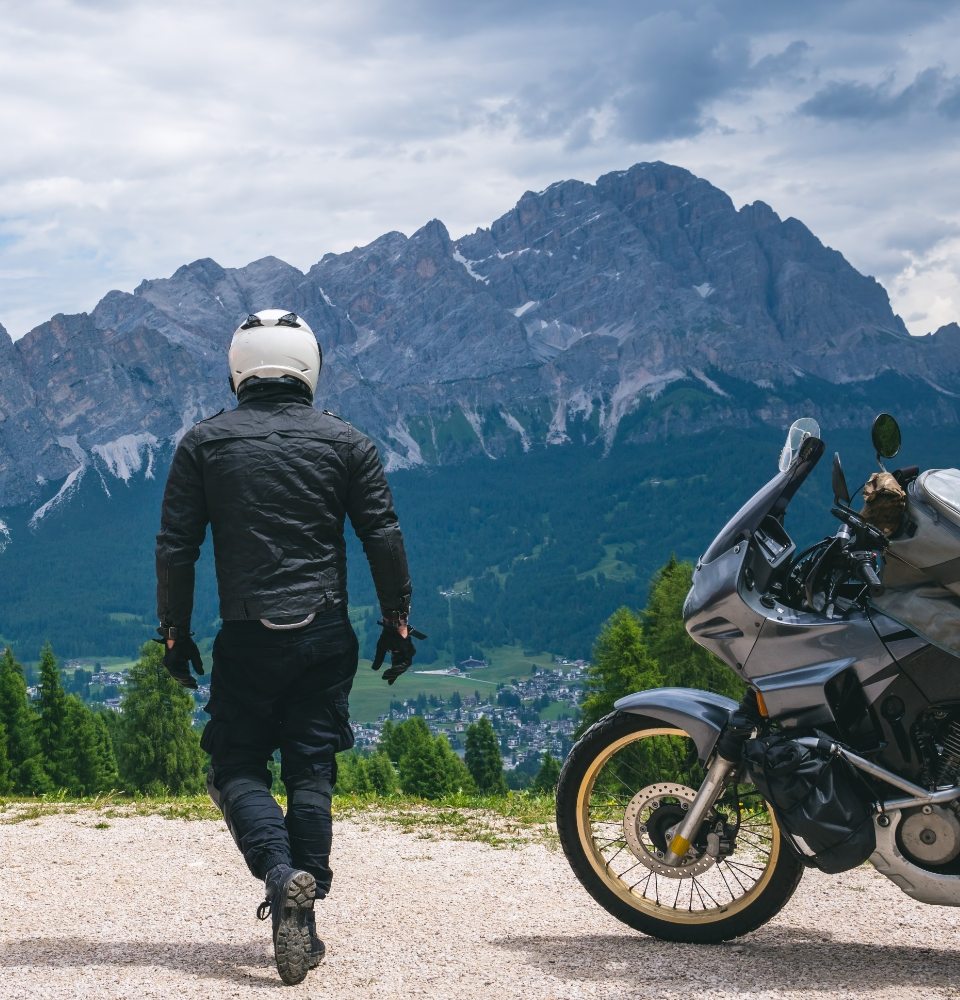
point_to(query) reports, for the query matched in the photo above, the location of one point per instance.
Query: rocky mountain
(640, 306)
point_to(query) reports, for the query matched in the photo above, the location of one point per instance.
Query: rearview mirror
(839, 481)
(886, 436)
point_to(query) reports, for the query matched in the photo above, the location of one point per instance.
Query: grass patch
(501, 821)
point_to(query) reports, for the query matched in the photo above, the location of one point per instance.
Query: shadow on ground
(773, 960)
(247, 963)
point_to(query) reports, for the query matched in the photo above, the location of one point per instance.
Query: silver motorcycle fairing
(927, 886)
(701, 714)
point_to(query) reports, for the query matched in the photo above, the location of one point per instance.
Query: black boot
(317, 948)
(290, 895)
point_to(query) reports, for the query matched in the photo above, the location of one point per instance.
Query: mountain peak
(565, 319)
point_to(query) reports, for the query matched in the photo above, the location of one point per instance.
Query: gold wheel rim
(616, 885)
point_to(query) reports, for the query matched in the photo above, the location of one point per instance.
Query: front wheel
(623, 790)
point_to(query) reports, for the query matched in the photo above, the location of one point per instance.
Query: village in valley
(532, 713)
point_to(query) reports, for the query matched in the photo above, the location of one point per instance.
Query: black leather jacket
(275, 478)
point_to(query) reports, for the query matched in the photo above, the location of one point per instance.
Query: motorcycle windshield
(773, 498)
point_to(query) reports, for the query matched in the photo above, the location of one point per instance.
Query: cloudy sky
(141, 136)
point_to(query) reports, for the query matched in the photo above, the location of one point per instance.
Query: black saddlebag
(824, 808)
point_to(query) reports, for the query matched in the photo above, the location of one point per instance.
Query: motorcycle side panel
(792, 692)
(715, 615)
(702, 714)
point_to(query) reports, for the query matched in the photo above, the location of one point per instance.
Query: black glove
(179, 658)
(400, 647)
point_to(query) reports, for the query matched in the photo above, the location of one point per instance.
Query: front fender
(702, 714)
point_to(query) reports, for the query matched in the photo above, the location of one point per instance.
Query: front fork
(726, 760)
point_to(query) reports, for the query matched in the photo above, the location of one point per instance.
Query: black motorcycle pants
(285, 690)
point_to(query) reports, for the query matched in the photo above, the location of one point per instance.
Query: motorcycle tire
(612, 842)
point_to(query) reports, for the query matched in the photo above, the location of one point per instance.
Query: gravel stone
(148, 907)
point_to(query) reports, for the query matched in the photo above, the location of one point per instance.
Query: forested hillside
(535, 550)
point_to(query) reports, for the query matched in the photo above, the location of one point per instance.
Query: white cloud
(140, 136)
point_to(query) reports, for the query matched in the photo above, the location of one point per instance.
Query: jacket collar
(273, 393)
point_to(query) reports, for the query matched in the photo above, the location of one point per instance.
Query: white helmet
(274, 343)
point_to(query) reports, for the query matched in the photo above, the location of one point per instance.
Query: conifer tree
(6, 772)
(621, 664)
(81, 739)
(19, 720)
(483, 758)
(52, 726)
(108, 777)
(396, 741)
(158, 750)
(431, 770)
(549, 774)
(381, 773)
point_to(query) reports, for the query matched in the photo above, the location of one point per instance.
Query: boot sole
(292, 948)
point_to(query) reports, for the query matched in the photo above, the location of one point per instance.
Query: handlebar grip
(869, 576)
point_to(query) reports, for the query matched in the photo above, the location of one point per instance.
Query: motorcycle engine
(930, 835)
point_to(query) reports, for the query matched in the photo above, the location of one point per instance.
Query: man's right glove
(180, 657)
(400, 647)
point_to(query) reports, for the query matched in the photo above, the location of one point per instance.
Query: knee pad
(226, 796)
(310, 791)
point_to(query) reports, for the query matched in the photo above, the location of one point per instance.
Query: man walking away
(275, 478)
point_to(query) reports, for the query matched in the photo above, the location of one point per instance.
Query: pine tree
(81, 739)
(383, 777)
(431, 770)
(159, 751)
(547, 777)
(396, 741)
(6, 771)
(621, 664)
(52, 726)
(108, 777)
(20, 723)
(483, 758)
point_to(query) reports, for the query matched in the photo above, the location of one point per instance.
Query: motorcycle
(691, 817)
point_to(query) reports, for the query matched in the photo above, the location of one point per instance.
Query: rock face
(580, 307)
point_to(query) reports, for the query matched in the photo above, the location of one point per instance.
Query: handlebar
(862, 562)
(865, 531)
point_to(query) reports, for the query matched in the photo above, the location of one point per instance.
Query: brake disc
(651, 818)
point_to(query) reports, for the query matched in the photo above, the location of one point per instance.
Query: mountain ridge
(580, 306)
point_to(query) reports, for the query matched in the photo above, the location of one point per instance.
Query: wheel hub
(651, 818)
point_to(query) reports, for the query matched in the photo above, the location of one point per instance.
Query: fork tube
(709, 792)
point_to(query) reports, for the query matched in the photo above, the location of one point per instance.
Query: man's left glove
(400, 647)
(180, 657)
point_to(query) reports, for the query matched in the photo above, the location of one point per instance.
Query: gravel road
(157, 908)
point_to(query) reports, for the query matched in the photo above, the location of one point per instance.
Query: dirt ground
(157, 908)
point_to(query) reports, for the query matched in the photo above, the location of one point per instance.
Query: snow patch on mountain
(124, 456)
(704, 290)
(5, 535)
(525, 308)
(468, 267)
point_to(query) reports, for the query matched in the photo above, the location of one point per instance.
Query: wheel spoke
(635, 796)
